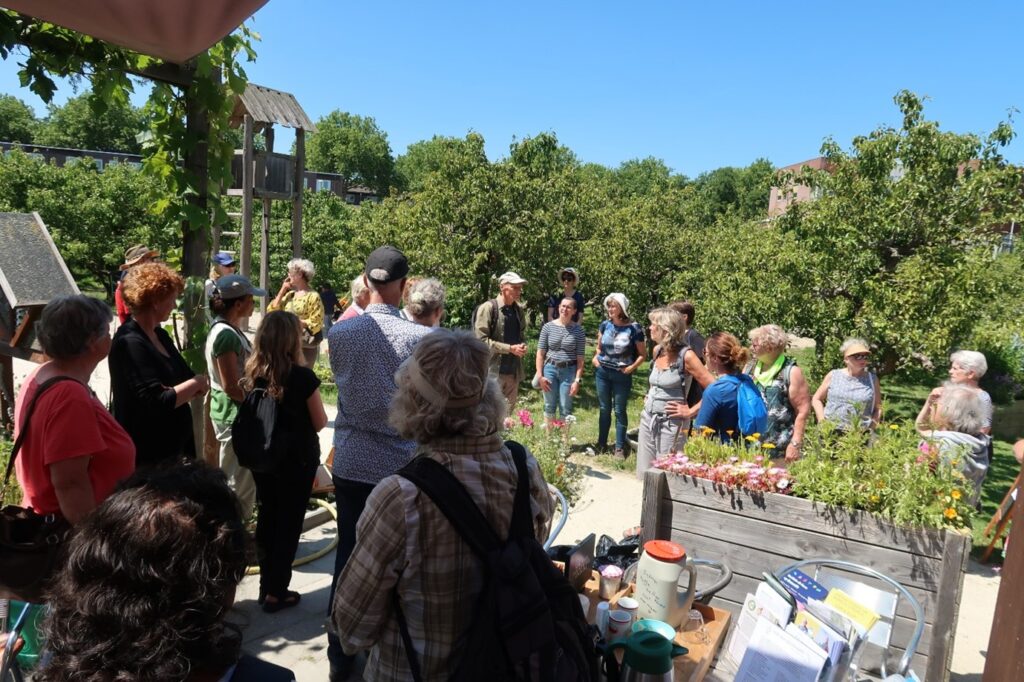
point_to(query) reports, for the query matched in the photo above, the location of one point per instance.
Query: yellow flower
(728, 431)
(956, 494)
(756, 435)
(751, 439)
(879, 484)
(950, 513)
(894, 427)
(768, 446)
(875, 498)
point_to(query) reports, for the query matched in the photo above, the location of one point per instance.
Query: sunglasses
(861, 356)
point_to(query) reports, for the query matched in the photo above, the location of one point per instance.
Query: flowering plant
(739, 464)
(891, 473)
(551, 448)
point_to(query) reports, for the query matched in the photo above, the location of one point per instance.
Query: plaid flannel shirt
(404, 543)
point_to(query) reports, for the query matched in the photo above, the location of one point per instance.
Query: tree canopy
(17, 120)
(355, 148)
(85, 122)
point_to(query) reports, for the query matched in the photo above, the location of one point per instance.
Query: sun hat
(511, 278)
(621, 300)
(386, 264)
(236, 286)
(571, 271)
(136, 253)
(223, 258)
(856, 348)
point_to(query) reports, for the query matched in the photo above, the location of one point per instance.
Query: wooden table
(694, 665)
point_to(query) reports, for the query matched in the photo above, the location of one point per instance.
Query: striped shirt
(404, 544)
(561, 343)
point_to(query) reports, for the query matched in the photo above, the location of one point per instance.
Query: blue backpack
(752, 412)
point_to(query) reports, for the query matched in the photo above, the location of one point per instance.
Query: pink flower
(509, 423)
(525, 418)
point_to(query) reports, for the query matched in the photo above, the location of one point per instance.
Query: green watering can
(647, 658)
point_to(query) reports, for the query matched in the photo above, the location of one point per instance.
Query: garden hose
(301, 561)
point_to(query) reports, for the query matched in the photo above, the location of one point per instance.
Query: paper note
(863, 617)
(774, 655)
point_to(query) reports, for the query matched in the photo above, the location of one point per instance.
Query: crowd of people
(404, 584)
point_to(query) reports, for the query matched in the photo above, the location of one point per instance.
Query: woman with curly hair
(407, 555)
(297, 296)
(150, 577)
(276, 365)
(151, 383)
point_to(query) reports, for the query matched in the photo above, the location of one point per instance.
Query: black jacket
(142, 381)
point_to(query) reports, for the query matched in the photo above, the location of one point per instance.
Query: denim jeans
(613, 388)
(561, 379)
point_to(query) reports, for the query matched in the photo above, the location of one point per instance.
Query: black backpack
(259, 436)
(529, 624)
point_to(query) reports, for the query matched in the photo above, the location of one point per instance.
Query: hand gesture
(545, 384)
(518, 350)
(677, 409)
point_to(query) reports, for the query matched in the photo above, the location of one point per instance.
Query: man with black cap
(365, 352)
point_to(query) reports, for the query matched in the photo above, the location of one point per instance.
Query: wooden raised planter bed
(755, 532)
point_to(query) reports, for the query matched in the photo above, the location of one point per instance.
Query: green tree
(92, 216)
(650, 176)
(741, 190)
(433, 156)
(17, 120)
(355, 148)
(898, 248)
(87, 122)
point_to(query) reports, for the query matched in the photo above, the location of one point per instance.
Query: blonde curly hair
(444, 390)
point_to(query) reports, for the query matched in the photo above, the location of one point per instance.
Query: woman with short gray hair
(952, 421)
(298, 297)
(966, 367)
(408, 559)
(425, 302)
(784, 388)
(73, 451)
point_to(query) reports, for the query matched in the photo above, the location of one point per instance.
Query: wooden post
(1005, 642)
(299, 186)
(245, 250)
(268, 135)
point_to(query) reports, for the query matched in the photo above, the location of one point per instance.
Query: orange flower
(956, 494)
(950, 513)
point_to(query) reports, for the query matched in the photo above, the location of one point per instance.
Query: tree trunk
(195, 250)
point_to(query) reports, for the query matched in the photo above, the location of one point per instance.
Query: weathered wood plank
(749, 561)
(654, 525)
(910, 569)
(799, 513)
(954, 563)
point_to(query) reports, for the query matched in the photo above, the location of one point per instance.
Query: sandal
(288, 600)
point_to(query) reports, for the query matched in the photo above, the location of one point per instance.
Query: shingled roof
(267, 105)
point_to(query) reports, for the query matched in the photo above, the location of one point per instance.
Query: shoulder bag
(31, 545)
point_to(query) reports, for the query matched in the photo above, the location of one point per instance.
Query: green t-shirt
(222, 408)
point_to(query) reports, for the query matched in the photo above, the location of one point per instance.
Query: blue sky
(699, 85)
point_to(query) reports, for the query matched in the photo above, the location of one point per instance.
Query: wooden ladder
(997, 524)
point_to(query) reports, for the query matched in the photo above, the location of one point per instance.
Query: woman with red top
(74, 452)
